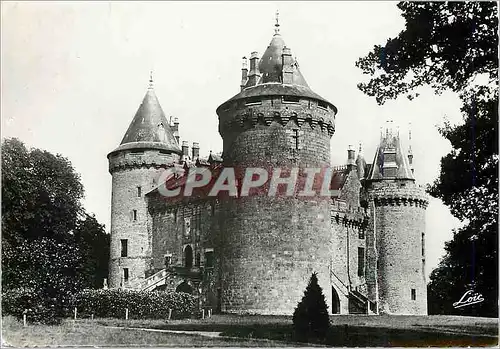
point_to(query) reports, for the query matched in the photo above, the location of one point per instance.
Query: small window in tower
(322, 104)
(413, 294)
(295, 137)
(125, 274)
(139, 192)
(134, 215)
(423, 244)
(361, 261)
(291, 99)
(124, 252)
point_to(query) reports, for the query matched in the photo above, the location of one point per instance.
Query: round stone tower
(269, 246)
(397, 205)
(148, 146)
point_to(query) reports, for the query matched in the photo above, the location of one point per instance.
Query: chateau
(255, 254)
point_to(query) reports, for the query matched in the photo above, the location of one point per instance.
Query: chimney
(175, 129)
(351, 162)
(185, 148)
(287, 72)
(244, 73)
(410, 151)
(254, 74)
(195, 150)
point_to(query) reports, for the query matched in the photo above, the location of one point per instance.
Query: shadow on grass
(353, 336)
(363, 332)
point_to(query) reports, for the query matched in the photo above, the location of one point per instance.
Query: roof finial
(360, 147)
(151, 79)
(409, 138)
(277, 25)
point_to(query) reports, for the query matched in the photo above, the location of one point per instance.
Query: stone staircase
(161, 277)
(358, 302)
(151, 282)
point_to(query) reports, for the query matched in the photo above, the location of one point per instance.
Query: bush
(141, 304)
(310, 318)
(41, 306)
(101, 303)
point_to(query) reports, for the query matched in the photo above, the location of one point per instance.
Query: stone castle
(255, 254)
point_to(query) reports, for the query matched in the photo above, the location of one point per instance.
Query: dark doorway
(219, 300)
(335, 302)
(188, 257)
(184, 287)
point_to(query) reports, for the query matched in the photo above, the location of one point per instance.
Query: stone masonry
(255, 254)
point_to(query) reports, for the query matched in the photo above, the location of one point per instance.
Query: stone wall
(270, 246)
(399, 218)
(131, 170)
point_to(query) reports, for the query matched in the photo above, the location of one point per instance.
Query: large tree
(454, 46)
(50, 246)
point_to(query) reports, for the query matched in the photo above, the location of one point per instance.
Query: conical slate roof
(271, 77)
(149, 128)
(390, 155)
(271, 64)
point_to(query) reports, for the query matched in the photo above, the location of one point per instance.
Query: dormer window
(253, 101)
(291, 99)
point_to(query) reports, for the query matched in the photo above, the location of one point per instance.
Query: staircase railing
(346, 291)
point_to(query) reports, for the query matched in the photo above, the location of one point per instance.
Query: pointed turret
(391, 160)
(360, 164)
(149, 128)
(148, 147)
(276, 73)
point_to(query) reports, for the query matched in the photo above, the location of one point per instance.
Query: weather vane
(151, 79)
(277, 25)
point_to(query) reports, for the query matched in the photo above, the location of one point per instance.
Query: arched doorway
(188, 257)
(184, 287)
(198, 260)
(335, 302)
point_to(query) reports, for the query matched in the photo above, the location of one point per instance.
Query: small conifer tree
(310, 318)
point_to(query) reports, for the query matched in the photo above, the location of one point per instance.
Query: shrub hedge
(109, 303)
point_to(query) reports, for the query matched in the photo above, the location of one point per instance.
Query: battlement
(245, 114)
(141, 158)
(396, 196)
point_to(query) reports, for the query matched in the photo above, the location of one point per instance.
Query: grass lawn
(350, 331)
(87, 332)
(262, 331)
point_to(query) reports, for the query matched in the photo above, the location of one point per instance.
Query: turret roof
(149, 128)
(390, 144)
(271, 79)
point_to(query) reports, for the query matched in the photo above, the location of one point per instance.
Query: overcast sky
(74, 74)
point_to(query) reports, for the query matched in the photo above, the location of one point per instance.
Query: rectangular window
(423, 245)
(413, 294)
(139, 192)
(134, 215)
(209, 259)
(361, 261)
(125, 274)
(124, 247)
